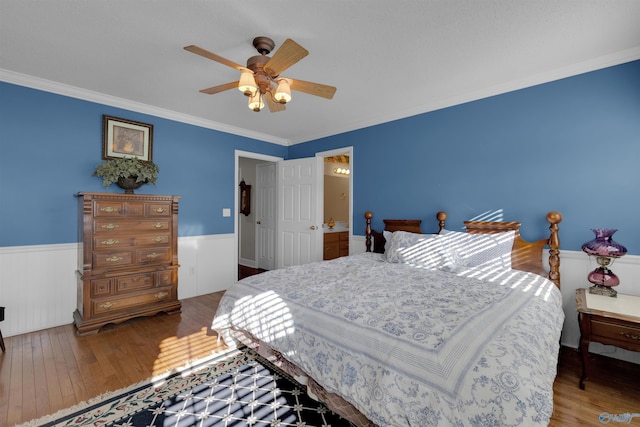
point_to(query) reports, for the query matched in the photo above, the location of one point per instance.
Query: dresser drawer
(158, 209)
(114, 209)
(165, 278)
(156, 255)
(152, 239)
(104, 208)
(106, 226)
(100, 287)
(627, 335)
(134, 282)
(108, 242)
(123, 241)
(111, 259)
(104, 306)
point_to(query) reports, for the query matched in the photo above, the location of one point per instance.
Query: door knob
(313, 227)
(258, 222)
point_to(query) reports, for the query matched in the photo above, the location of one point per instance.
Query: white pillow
(488, 251)
(420, 250)
(388, 236)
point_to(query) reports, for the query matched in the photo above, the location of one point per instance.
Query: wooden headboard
(525, 256)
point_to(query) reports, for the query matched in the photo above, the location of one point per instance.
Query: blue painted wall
(50, 145)
(572, 145)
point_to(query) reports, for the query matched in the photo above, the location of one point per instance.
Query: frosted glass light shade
(255, 102)
(283, 93)
(247, 84)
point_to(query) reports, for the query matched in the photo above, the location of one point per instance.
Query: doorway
(245, 225)
(338, 195)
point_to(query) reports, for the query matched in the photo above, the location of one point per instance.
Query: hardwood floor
(244, 271)
(45, 371)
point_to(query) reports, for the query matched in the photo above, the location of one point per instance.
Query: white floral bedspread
(409, 346)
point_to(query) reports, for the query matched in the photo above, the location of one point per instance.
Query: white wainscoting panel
(37, 287)
(38, 283)
(206, 264)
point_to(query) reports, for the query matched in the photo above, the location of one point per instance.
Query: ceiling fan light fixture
(247, 83)
(261, 75)
(255, 102)
(283, 93)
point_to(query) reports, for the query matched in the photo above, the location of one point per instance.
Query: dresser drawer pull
(158, 239)
(106, 305)
(160, 210)
(158, 225)
(154, 255)
(114, 258)
(110, 226)
(630, 336)
(161, 295)
(109, 209)
(110, 242)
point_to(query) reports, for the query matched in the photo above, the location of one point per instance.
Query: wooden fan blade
(311, 88)
(288, 54)
(274, 106)
(210, 55)
(220, 88)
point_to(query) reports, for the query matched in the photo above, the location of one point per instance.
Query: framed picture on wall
(126, 138)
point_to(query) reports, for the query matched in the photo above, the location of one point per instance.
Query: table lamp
(606, 251)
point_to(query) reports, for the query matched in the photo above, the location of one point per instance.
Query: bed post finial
(554, 218)
(442, 217)
(368, 215)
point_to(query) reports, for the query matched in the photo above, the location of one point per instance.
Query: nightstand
(607, 320)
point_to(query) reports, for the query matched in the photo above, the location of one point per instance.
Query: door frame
(258, 193)
(236, 195)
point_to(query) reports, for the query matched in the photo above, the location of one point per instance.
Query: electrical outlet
(226, 212)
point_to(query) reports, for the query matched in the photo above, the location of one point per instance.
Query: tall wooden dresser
(127, 258)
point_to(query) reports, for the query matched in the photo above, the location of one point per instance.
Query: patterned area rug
(240, 390)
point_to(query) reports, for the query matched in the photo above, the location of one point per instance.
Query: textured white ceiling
(388, 59)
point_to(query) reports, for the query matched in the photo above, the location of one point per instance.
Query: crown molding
(595, 64)
(101, 98)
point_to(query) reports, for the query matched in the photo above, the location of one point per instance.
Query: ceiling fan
(260, 80)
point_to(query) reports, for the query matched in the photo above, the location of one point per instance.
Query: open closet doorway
(253, 224)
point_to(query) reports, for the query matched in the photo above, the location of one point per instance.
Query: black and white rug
(241, 390)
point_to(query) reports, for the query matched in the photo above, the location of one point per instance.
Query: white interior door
(299, 227)
(266, 216)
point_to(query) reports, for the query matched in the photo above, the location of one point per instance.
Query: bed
(451, 328)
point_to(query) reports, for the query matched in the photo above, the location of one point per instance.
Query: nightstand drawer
(627, 335)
